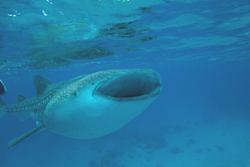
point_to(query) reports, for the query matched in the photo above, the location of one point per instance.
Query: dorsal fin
(41, 84)
(20, 98)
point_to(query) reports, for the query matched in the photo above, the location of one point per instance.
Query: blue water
(200, 49)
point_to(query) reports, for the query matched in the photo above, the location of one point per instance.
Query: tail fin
(3, 89)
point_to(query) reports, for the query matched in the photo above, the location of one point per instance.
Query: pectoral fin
(24, 136)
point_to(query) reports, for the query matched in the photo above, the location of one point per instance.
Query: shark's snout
(132, 85)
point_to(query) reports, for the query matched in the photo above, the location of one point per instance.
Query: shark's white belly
(91, 117)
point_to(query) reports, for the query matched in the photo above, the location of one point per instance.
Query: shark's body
(89, 106)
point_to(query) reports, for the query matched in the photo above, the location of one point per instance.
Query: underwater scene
(125, 83)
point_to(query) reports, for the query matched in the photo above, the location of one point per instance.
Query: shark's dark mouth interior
(130, 86)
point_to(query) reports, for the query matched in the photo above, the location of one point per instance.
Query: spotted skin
(58, 93)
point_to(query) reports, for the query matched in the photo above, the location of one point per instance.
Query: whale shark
(87, 106)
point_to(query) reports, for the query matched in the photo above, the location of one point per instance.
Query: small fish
(88, 107)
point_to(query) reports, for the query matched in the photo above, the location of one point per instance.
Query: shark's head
(100, 103)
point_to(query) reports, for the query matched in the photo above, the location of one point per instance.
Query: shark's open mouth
(132, 85)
